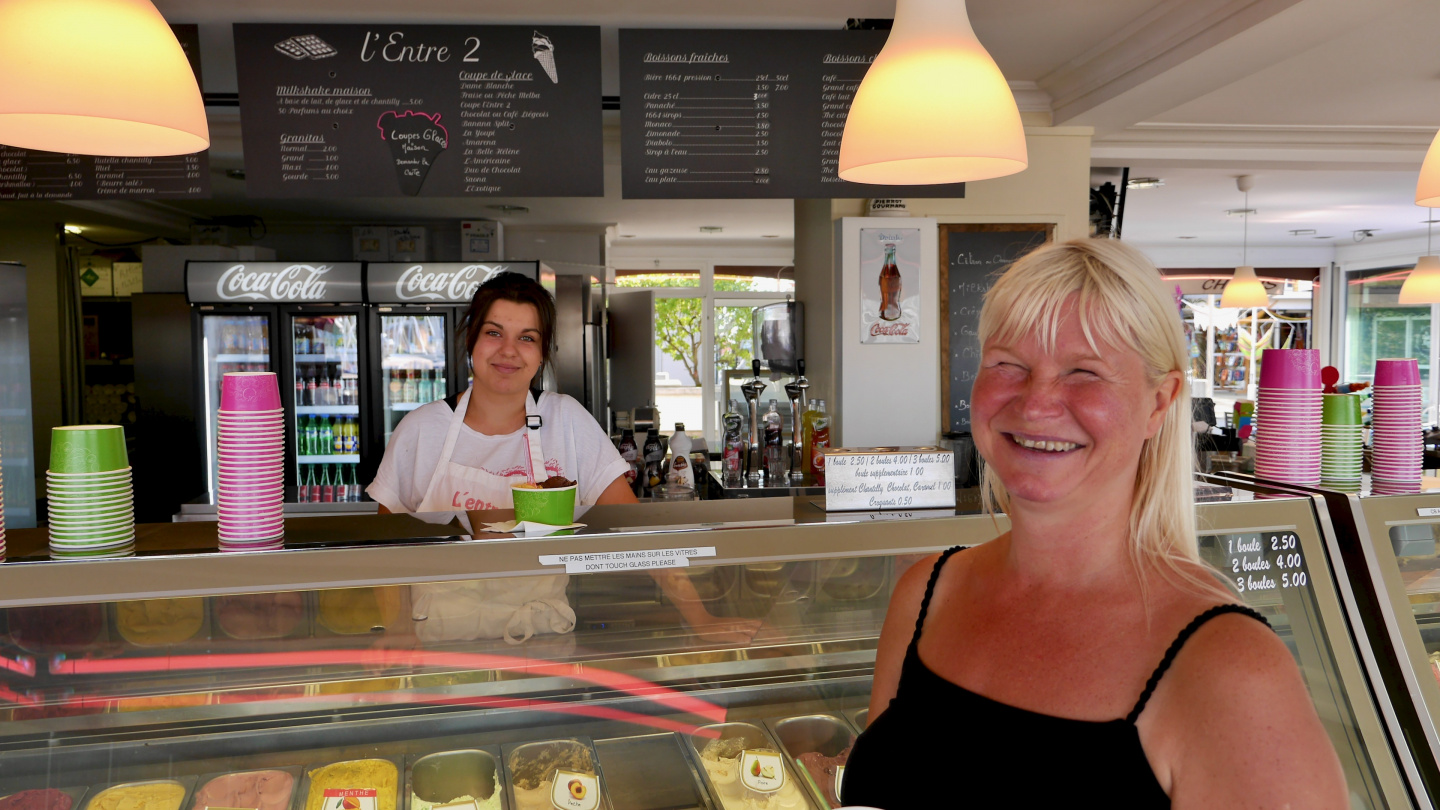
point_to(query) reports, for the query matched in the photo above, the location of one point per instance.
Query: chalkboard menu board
(972, 257)
(33, 174)
(420, 110)
(743, 114)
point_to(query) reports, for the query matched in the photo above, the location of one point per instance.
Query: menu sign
(1263, 561)
(420, 110)
(736, 114)
(33, 174)
(435, 282)
(272, 282)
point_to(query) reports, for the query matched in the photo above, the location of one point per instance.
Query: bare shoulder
(1232, 724)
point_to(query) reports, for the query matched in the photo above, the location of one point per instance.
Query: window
(1377, 325)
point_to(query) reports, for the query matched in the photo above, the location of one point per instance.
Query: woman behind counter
(1087, 656)
(466, 452)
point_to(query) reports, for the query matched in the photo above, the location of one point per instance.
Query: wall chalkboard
(971, 258)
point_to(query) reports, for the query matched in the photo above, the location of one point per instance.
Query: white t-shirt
(575, 447)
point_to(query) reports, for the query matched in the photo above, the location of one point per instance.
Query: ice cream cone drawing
(416, 139)
(544, 51)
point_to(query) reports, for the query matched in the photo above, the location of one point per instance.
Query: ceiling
(1330, 104)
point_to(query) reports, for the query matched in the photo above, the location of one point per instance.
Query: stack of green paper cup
(92, 499)
(1342, 446)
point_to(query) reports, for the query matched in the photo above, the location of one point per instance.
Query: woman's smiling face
(1062, 425)
(508, 353)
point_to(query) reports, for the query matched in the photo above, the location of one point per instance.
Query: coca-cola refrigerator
(415, 313)
(305, 321)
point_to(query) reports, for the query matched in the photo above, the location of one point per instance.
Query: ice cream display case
(709, 655)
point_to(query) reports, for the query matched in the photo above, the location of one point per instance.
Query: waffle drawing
(544, 51)
(306, 46)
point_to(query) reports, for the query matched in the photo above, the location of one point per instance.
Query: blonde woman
(1086, 654)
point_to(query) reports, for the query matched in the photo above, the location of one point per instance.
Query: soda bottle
(439, 387)
(327, 487)
(299, 390)
(302, 490)
(819, 440)
(775, 466)
(352, 487)
(631, 454)
(422, 387)
(322, 390)
(407, 391)
(732, 458)
(352, 436)
(889, 286)
(314, 485)
(807, 430)
(324, 437)
(312, 437)
(393, 384)
(311, 386)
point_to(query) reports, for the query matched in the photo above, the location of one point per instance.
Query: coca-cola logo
(896, 329)
(296, 282)
(417, 283)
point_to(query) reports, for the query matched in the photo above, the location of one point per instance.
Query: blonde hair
(1121, 301)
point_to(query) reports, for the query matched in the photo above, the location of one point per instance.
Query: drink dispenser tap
(754, 461)
(798, 392)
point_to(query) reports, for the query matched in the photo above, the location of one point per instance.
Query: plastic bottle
(352, 486)
(775, 466)
(394, 386)
(407, 390)
(302, 487)
(322, 391)
(312, 436)
(680, 470)
(299, 390)
(325, 438)
(327, 487)
(732, 464)
(422, 388)
(311, 385)
(819, 440)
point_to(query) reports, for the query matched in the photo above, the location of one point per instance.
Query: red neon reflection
(388, 659)
(25, 665)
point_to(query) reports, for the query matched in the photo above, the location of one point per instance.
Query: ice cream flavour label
(573, 791)
(350, 799)
(761, 771)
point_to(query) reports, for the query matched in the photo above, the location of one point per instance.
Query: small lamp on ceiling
(96, 77)
(933, 107)
(1422, 285)
(1245, 290)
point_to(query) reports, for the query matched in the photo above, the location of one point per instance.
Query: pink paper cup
(273, 502)
(252, 522)
(250, 391)
(1294, 369)
(1397, 371)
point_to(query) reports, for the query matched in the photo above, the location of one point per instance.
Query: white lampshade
(96, 77)
(1422, 286)
(1427, 188)
(1244, 291)
(934, 107)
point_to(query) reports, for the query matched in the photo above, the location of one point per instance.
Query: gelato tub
(455, 780)
(354, 611)
(250, 790)
(63, 628)
(819, 744)
(260, 615)
(859, 718)
(562, 774)
(649, 772)
(157, 622)
(357, 784)
(161, 794)
(746, 771)
(42, 799)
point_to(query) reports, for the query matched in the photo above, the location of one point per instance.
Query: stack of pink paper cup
(1287, 410)
(1397, 449)
(251, 492)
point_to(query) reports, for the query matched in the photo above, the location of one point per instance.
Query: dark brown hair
(520, 290)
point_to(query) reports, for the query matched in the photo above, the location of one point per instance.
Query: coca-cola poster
(435, 282)
(240, 282)
(889, 285)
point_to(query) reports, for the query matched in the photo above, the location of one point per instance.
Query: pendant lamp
(96, 77)
(1427, 188)
(933, 107)
(1422, 286)
(1244, 290)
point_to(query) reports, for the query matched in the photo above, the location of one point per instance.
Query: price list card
(420, 110)
(30, 174)
(1262, 563)
(743, 114)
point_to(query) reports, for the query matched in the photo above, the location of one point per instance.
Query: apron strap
(533, 423)
(456, 420)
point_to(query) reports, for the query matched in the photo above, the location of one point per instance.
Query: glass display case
(326, 384)
(709, 654)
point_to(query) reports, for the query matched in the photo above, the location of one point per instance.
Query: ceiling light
(933, 107)
(1422, 285)
(103, 77)
(74, 229)
(509, 209)
(1303, 232)
(1184, 237)
(1244, 290)
(711, 229)
(1427, 187)
(769, 236)
(1145, 182)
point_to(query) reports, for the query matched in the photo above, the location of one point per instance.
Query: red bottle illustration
(889, 286)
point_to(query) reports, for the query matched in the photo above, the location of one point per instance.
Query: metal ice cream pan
(651, 771)
(75, 794)
(754, 736)
(302, 793)
(448, 775)
(824, 734)
(187, 783)
(294, 770)
(859, 718)
(511, 753)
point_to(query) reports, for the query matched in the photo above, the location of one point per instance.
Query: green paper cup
(87, 449)
(552, 507)
(1339, 409)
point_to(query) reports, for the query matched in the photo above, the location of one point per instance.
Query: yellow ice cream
(351, 611)
(721, 759)
(151, 796)
(360, 774)
(160, 621)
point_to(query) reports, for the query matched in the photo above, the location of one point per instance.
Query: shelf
(242, 358)
(406, 406)
(348, 458)
(325, 358)
(327, 410)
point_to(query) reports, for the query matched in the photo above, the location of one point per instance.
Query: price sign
(876, 478)
(1264, 561)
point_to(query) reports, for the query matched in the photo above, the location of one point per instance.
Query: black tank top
(940, 745)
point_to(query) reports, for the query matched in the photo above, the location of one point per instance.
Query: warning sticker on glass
(762, 771)
(575, 791)
(350, 799)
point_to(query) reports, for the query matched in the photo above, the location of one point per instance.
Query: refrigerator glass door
(412, 364)
(327, 406)
(232, 342)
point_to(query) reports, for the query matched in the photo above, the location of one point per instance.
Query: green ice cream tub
(552, 507)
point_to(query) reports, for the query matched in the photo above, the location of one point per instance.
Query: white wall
(889, 393)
